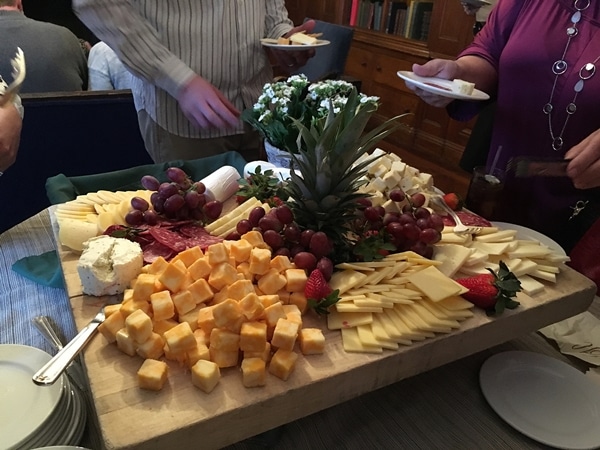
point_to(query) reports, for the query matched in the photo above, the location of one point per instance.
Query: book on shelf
(354, 12)
(396, 15)
(415, 18)
(377, 16)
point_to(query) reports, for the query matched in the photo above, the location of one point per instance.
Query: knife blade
(526, 166)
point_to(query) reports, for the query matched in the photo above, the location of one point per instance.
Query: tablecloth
(442, 409)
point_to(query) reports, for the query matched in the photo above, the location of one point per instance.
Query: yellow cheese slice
(443, 313)
(452, 257)
(337, 320)
(529, 251)
(431, 319)
(345, 280)
(245, 207)
(434, 284)
(530, 285)
(373, 302)
(498, 236)
(350, 307)
(407, 328)
(390, 328)
(543, 275)
(352, 343)
(455, 303)
(381, 336)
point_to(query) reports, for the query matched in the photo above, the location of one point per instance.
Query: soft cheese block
(463, 87)
(107, 265)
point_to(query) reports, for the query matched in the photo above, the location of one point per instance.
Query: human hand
(584, 168)
(10, 135)
(440, 68)
(289, 61)
(205, 106)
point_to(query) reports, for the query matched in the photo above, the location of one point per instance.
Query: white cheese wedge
(107, 265)
(462, 86)
(73, 233)
(302, 38)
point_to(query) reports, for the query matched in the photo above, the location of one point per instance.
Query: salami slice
(171, 239)
(154, 250)
(198, 236)
(468, 218)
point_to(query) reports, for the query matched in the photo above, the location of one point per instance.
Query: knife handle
(54, 368)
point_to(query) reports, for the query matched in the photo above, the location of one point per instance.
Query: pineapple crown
(332, 167)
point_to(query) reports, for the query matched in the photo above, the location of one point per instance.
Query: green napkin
(43, 269)
(61, 188)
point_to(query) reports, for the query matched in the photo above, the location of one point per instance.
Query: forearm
(479, 71)
(136, 42)
(277, 20)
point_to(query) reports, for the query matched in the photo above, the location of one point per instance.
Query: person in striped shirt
(196, 65)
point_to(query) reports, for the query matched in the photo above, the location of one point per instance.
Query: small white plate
(476, 3)
(272, 43)
(528, 233)
(543, 398)
(440, 86)
(24, 406)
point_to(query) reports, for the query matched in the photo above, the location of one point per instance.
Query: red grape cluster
(308, 249)
(179, 198)
(413, 228)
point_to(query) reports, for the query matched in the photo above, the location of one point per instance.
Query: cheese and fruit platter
(238, 303)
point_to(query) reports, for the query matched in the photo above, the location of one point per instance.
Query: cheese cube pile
(401, 299)
(207, 311)
(531, 261)
(388, 172)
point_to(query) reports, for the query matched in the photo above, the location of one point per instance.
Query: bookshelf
(405, 18)
(392, 35)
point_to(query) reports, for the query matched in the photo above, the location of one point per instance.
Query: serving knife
(54, 368)
(527, 166)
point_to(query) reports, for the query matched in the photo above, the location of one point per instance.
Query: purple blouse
(522, 39)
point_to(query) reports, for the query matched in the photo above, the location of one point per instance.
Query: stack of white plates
(33, 416)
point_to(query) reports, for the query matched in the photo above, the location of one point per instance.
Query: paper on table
(594, 375)
(577, 336)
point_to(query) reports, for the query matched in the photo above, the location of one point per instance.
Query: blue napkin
(43, 269)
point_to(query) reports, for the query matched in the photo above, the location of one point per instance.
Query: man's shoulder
(50, 28)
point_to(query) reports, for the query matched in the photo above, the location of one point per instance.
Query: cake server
(53, 369)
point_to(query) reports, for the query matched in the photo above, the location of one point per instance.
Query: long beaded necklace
(559, 67)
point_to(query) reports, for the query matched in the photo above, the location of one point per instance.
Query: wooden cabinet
(378, 54)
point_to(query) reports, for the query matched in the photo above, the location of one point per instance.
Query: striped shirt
(165, 42)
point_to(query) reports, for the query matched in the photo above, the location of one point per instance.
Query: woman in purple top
(538, 58)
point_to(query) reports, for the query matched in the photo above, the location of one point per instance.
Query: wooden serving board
(182, 416)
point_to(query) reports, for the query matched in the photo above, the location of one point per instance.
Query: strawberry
(492, 291)
(453, 201)
(319, 294)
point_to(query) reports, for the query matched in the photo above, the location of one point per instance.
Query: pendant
(579, 206)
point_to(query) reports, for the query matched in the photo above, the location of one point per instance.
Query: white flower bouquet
(296, 99)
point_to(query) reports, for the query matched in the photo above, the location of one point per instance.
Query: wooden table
(182, 416)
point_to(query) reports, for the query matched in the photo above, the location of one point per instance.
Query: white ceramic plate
(272, 43)
(477, 3)
(440, 86)
(24, 406)
(543, 398)
(528, 233)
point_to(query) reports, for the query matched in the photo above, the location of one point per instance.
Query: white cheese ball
(107, 265)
